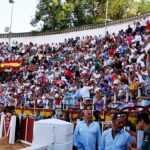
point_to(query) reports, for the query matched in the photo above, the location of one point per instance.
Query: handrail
(74, 29)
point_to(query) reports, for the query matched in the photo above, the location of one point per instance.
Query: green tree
(53, 14)
(117, 9)
(142, 6)
(61, 14)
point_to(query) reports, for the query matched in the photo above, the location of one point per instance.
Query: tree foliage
(142, 6)
(61, 14)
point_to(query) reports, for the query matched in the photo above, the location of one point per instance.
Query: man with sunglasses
(116, 138)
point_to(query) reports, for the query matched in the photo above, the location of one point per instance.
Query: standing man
(143, 123)
(87, 133)
(116, 138)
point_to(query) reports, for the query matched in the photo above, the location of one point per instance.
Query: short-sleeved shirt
(146, 140)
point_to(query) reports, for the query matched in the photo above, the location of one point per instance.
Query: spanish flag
(10, 64)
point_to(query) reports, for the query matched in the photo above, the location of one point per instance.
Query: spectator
(96, 114)
(143, 24)
(38, 115)
(145, 74)
(116, 138)
(143, 123)
(129, 30)
(66, 117)
(87, 133)
(53, 114)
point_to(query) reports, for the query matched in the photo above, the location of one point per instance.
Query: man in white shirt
(85, 91)
(143, 24)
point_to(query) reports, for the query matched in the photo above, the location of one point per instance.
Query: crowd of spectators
(91, 69)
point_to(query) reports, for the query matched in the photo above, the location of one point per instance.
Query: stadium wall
(60, 36)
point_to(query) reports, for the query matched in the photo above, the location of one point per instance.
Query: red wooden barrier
(26, 129)
(30, 130)
(23, 129)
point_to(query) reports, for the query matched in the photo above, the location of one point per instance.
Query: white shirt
(85, 92)
(143, 23)
(138, 38)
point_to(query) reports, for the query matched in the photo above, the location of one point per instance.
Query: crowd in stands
(111, 71)
(91, 69)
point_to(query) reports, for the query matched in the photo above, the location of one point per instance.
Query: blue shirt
(86, 137)
(120, 142)
(69, 100)
(39, 117)
(76, 95)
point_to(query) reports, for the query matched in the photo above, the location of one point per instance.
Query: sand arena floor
(5, 146)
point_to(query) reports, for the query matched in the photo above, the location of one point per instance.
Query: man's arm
(129, 142)
(99, 138)
(75, 137)
(102, 143)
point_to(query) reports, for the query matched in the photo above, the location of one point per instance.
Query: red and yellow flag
(10, 64)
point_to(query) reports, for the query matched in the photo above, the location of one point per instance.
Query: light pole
(12, 8)
(106, 17)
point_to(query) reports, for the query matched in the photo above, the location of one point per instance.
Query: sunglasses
(117, 115)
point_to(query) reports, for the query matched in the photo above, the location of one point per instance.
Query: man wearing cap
(116, 138)
(143, 123)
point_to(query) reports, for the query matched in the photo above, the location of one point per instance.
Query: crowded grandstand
(107, 75)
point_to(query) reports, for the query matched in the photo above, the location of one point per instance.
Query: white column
(2, 125)
(12, 130)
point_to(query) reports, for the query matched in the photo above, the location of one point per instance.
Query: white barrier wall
(56, 38)
(54, 134)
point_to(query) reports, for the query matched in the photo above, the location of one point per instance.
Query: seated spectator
(148, 26)
(66, 117)
(129, 30)
(38, 115)
(143, 24)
